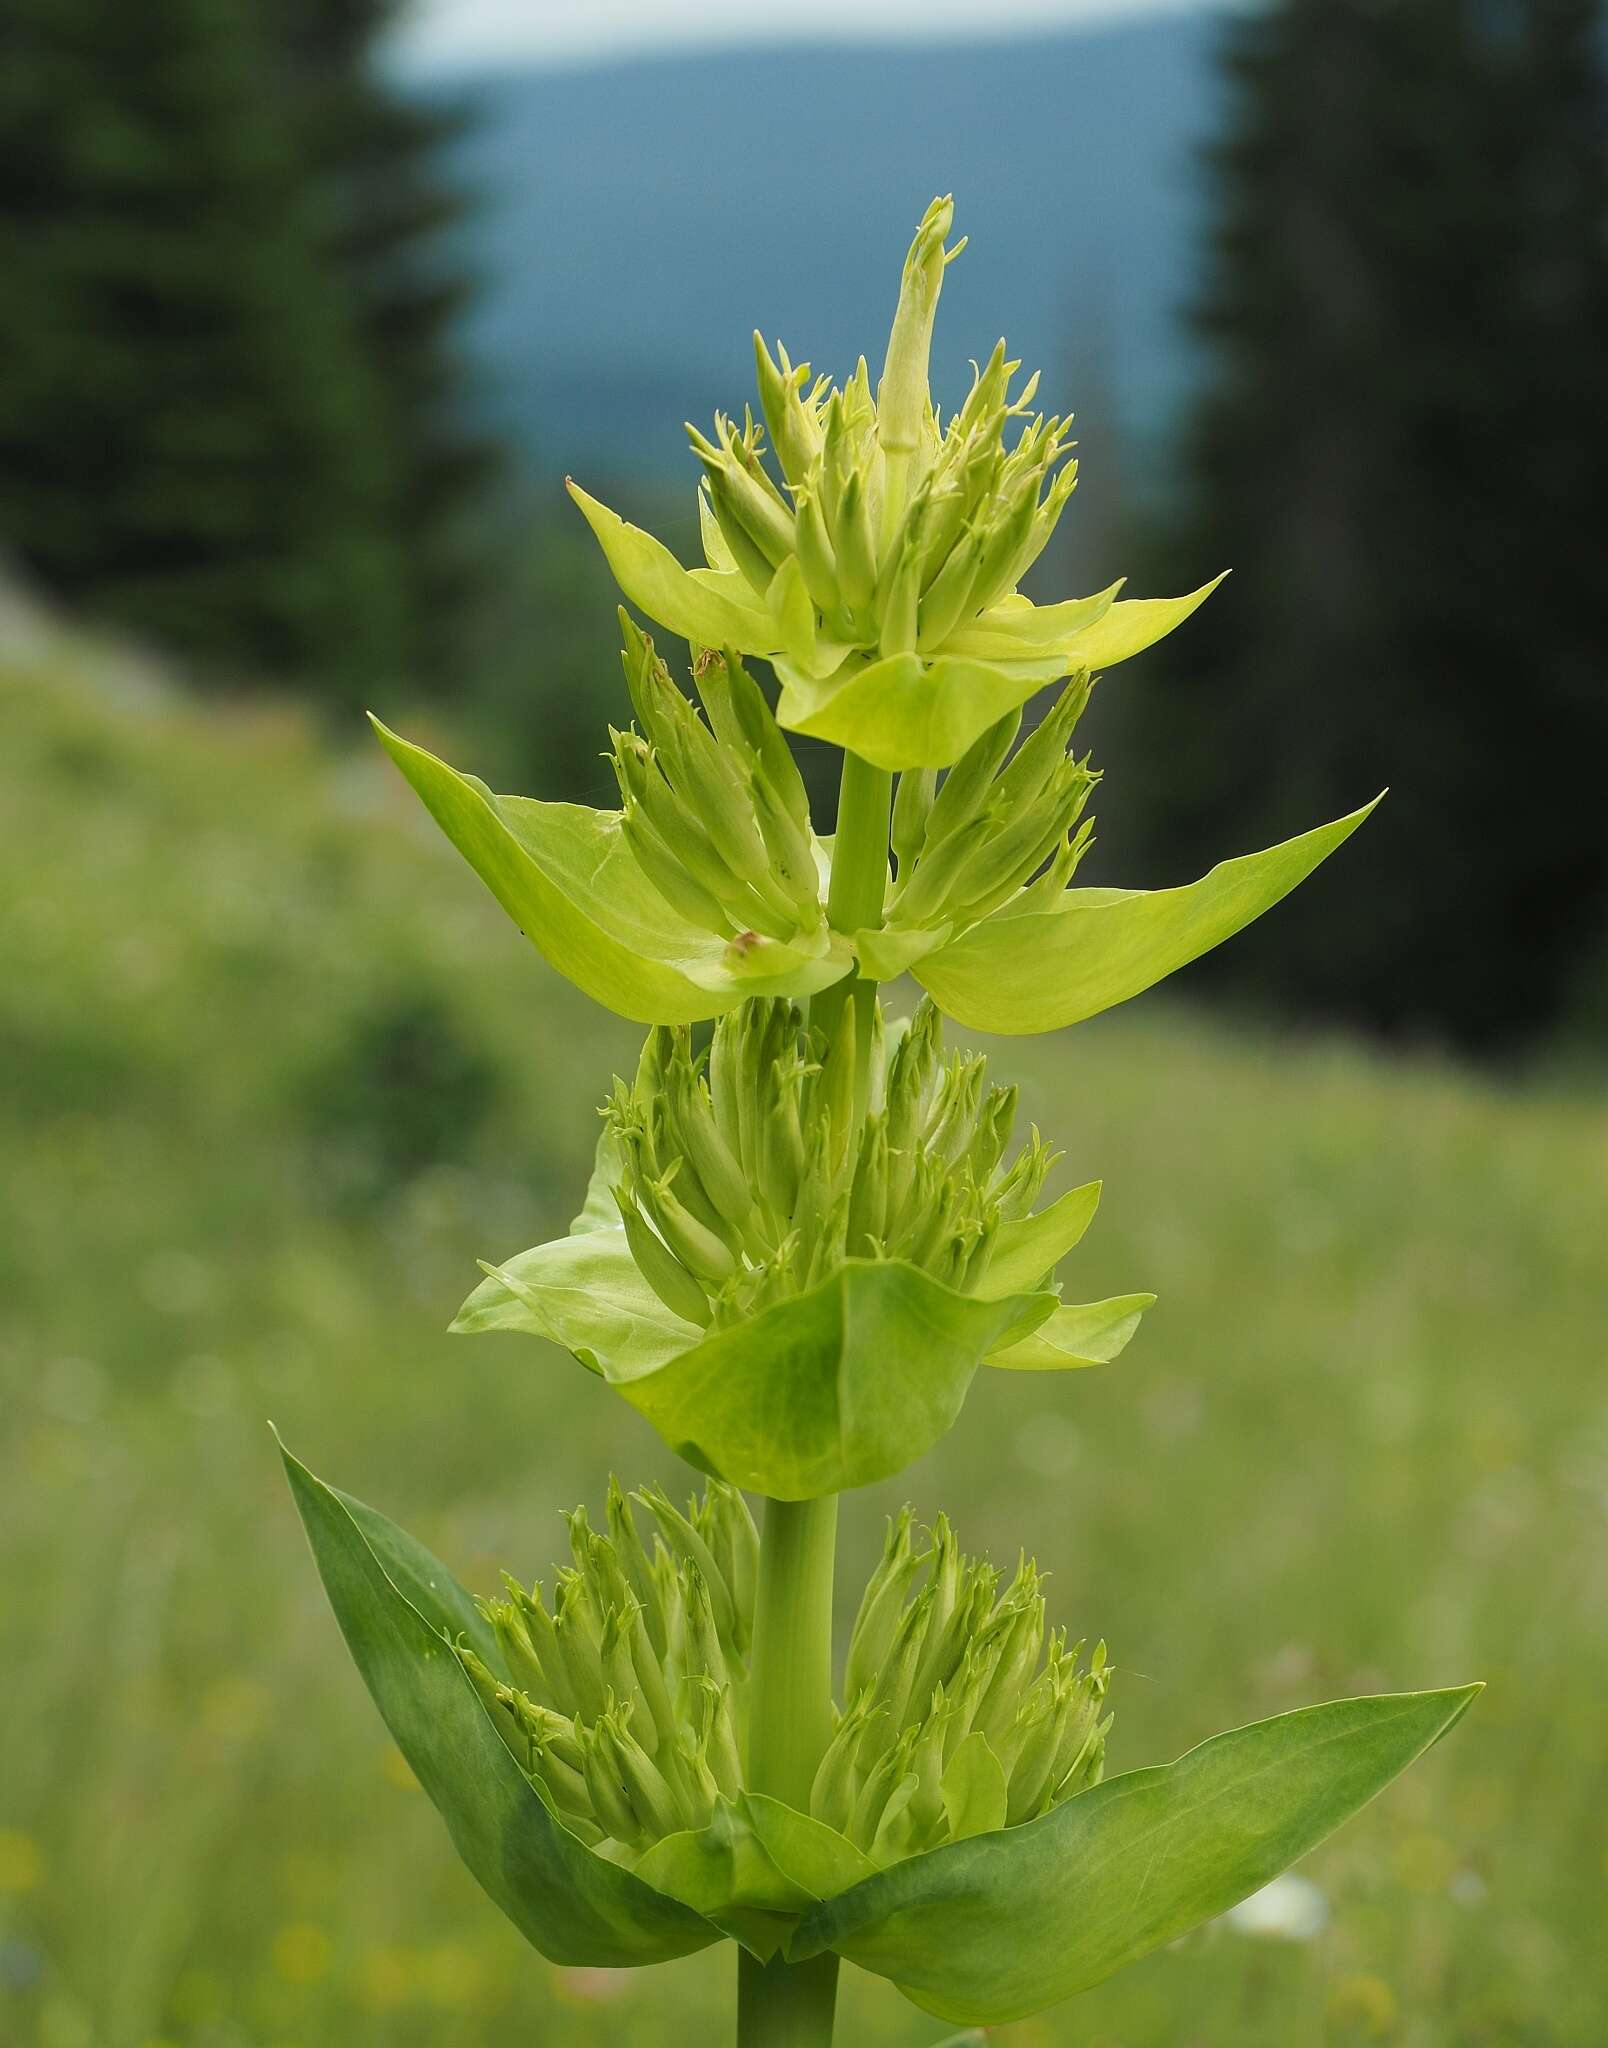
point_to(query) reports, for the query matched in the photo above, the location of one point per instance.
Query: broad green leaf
(656, 583)
(906, 712)
(974, 1789)
(995, 1928)
(792, 615)
(810, 1854)
(835, 1388)
(423, 1580)
(885, 955)
(565, 876)
(725, 1873)
(1092, 948)
(717, 551)
(576, 1907)
(1079, 1333)
(585, 1293)
(600, 1211)
(830, 1389)
(755, 1870)
(1028, 1249)
(1017, 629)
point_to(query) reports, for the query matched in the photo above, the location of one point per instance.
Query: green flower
(706, 886)
(878, 568)
(961, 1717)
(626, 1704)
(795, 1296)
(588, 1762)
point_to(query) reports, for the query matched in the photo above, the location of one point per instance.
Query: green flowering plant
(807, 1228)
(796, 1288)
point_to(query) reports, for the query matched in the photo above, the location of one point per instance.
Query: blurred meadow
(274, 1073)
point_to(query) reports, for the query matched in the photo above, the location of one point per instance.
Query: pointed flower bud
(996, 819)
(715, 815)
(627, 1702)
(748, 1178)
(902, 394)
(956, 1665)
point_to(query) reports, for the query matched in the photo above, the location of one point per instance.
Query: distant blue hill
(641, 219)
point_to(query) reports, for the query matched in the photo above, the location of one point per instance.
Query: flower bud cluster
(966, 846)
(893, 532)
(748, 1178)
(625, 1700)
(716, 815)
(939, 1656)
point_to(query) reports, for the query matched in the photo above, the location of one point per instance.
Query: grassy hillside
(272, 1074)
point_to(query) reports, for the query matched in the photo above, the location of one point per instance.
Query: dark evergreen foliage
(1402, 457)
(390, 216)
(218, 415)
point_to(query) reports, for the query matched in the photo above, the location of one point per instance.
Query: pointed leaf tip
(1091, 949)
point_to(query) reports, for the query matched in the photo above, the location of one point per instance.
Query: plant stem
(780, 2004)
(854, 900)
(785, 2005)
(790, 1721)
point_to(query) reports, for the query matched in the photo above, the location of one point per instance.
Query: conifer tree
(390, 211)
(1407, 302)
(227, 391)
(189, 441)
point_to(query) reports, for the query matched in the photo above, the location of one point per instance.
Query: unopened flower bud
(673, 1282)
(816, 556)
(912, 807)
(902, 393)
(794, 429)
(856, 549)
(954, 1662)
(966, 786)
(643, 1664)
(880, 1608)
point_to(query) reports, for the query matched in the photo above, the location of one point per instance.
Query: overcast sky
(566, 31)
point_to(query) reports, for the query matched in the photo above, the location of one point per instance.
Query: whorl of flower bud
(625, 1701)
(941, 1657)
(969, 844)
(902, 531)
(716, 815)
(746, 1177)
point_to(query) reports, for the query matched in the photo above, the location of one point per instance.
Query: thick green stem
(785, 2005)
(779, 2004)
(854, 901)
(790, 1704)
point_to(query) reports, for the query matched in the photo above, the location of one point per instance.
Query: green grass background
(273, 1072)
